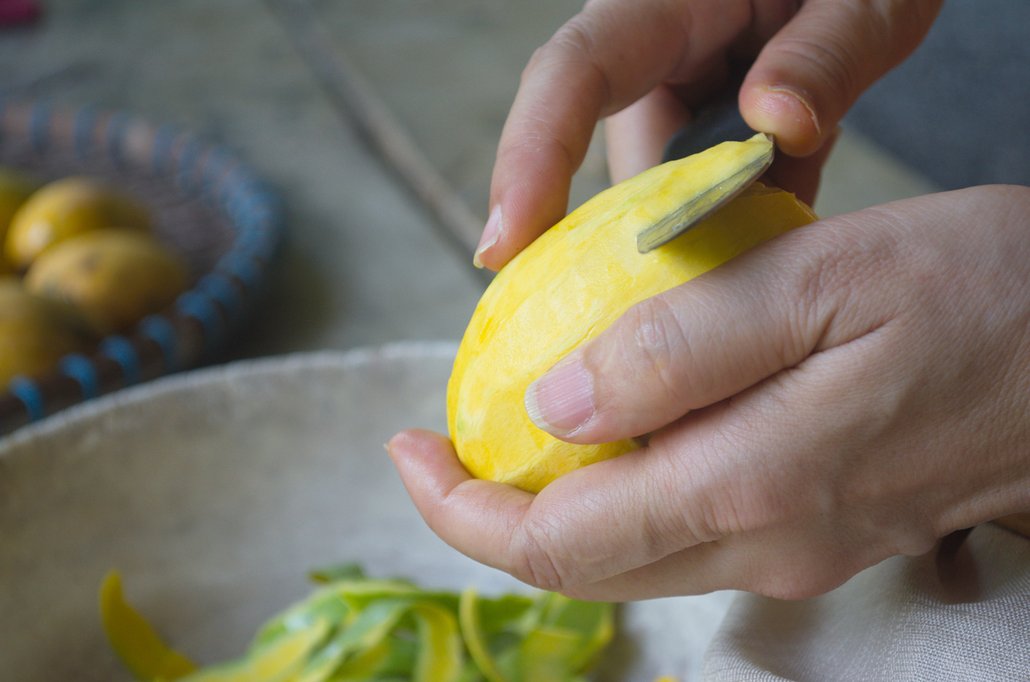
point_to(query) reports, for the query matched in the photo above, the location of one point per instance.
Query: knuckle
(839, 250)
(733, 487)
(570, 42)
(698, 524)
(661, 346)
(670, 526)
(573, 43)
(697, 502)
(829, 60)
(537, 557)
(834, 269)
(574, 38)
(536, 63)
(540, 137)
(905, 21)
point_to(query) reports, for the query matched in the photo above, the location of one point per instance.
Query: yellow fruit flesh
(570, 285)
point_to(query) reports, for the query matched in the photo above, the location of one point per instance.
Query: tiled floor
(365, 263)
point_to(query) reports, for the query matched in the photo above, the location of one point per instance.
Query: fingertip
(474, 516)
(411, 441)
(427, 464)
(812, 70)
(529, 194)
(492, 233)
(787, 114)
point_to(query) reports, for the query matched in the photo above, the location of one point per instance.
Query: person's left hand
(851, 390)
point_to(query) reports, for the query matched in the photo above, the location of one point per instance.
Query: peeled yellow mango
(114, 277)
(570, 285)
(66, 208)
(35, 332)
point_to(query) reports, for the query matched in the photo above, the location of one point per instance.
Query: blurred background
(292, 86)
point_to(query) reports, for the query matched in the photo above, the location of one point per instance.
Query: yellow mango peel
(570, 285)
(134, 639)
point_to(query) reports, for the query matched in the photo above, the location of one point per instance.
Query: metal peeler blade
(705, 203)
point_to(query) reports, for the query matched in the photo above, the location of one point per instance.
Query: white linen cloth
(960, 615)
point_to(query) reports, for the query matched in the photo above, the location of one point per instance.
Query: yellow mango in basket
(114, 277)
(66, 208)
(570, 285)
(36, 332)
(15, 189)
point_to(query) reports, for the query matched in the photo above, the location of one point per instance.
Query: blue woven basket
(207, 205)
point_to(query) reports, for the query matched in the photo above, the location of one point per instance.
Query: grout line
(357, 102)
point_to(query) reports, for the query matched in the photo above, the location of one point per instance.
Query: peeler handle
(717, 121)
(714, 124)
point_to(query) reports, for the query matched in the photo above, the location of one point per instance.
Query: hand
(852, 390)
(644, 63)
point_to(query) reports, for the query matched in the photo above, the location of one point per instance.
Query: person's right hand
(644, 63)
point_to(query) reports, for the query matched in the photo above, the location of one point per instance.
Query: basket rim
(203, 317)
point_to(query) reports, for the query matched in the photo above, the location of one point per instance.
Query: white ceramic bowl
(214, 492)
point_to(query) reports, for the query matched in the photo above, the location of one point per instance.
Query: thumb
(706, 340)
(812, 71)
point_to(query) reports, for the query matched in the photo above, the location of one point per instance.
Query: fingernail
(780, 104)
(389, 445)
(562, 401)
(491, 233)
(797, 104)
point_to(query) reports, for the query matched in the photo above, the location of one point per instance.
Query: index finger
(604, 58)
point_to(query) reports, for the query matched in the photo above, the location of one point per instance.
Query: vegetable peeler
(720, 122)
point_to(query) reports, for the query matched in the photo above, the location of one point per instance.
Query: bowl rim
(89, 411)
